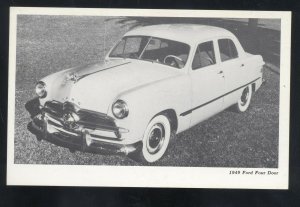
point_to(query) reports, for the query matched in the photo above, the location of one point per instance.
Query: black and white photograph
(177, 95)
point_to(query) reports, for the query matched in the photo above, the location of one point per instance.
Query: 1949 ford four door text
(157, 81)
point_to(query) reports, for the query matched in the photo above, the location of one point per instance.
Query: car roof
(187, 33)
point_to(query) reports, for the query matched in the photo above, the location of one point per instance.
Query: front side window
(227, 49)
(164, 51)
(204, 55)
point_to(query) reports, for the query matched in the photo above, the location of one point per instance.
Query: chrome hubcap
(156, 138)
(245, 96)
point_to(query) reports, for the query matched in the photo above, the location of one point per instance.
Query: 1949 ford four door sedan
(157, 81)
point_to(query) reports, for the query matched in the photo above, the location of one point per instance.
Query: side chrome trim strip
(197, 107)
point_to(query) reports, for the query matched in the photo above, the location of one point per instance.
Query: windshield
(152, 49)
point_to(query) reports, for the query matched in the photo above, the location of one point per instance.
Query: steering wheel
(176, 60)
(209, 60)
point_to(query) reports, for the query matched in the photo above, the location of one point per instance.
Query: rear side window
(227, 49)
(204, 55)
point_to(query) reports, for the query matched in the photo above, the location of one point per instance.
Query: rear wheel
(245, 99)
(156, 139)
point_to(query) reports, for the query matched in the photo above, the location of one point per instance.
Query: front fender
(51, 82)
(147, 101)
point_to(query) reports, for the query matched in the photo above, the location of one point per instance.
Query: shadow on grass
(260, 40)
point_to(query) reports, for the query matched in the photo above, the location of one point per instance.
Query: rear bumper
(77, 140)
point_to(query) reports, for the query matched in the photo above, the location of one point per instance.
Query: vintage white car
(157, 81)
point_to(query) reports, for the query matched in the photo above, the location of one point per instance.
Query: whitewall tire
(156, 139)
(244, 100)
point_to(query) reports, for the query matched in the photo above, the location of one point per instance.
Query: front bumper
(53, 130)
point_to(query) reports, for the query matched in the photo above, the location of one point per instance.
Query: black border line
(197, 107)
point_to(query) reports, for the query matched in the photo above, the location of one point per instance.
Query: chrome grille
(54, 109)
(89, 119)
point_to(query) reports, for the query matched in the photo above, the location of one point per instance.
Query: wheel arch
(172, 116)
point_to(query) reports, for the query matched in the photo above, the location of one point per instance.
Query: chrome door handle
(220, 72)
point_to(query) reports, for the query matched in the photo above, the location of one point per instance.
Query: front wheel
(245, 99)
(156, 139)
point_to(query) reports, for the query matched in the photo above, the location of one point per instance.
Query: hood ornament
(75, 77)
(72, 77)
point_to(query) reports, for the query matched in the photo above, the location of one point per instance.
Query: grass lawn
(46, 44)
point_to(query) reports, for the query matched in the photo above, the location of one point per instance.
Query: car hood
(96, 87)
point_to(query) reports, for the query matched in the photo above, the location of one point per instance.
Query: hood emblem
(72, 77)
(75, 77)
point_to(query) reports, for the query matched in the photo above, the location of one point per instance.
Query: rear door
(207, 83)
(234, 70)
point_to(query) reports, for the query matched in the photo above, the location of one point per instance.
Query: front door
(208, 83)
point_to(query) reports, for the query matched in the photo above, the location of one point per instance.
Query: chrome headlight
(120, 109)
(40, 89)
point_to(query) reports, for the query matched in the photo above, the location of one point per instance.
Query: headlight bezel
(122, 107)
(40, 89)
